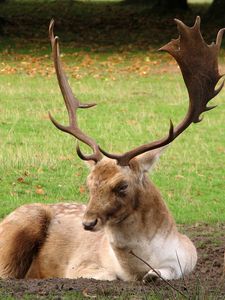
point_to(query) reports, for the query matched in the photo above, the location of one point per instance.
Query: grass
(39, 164)
(137, 91)
(81, 296)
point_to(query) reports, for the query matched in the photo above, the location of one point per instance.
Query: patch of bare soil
(206, 282)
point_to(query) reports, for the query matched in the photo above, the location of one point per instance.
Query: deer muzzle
(90, 225)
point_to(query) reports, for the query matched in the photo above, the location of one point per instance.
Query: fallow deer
(126, 212)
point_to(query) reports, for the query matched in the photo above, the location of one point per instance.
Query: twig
(182, 273)
(159, 275)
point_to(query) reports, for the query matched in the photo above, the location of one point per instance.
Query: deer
(125, 214)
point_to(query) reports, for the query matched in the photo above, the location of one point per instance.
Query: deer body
(142, 223)
(126, 219)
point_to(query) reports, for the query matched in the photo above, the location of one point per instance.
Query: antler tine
(199, 66)
(71, 102)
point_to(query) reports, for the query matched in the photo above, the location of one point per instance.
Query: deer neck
(140, 232)
(149, 217)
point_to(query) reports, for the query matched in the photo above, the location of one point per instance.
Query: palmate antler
(199, 66)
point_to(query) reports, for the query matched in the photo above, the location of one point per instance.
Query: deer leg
(90, 271)
(165, 273)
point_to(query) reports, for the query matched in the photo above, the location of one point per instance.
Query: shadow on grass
(95, 25)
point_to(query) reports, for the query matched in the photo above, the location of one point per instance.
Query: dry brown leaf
(82, 189)
(39, 191)
(20, 180)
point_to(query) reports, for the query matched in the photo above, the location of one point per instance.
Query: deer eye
(121, 189)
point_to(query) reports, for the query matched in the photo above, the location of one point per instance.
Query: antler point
(198, 19)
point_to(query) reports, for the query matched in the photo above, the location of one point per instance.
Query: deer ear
(147, 160)
(90, 164)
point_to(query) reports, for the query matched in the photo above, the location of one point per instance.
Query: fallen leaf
(20, 180)
(39, 191)
(82, 189)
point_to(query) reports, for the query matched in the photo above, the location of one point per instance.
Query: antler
(199, 66)
(72, 104)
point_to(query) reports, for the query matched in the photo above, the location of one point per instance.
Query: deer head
(118, 182)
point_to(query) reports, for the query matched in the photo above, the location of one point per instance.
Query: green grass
(82, 296)
(137, 91)
(131, 110)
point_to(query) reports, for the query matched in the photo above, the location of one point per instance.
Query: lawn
(109, 52)
(137, 91)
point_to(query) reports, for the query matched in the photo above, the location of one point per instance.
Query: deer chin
(95, 229)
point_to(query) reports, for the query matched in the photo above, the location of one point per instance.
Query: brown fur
(22, 234)
(45, 241)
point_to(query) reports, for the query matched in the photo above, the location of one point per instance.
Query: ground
(206, 282)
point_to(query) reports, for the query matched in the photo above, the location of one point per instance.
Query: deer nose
(90, 225)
